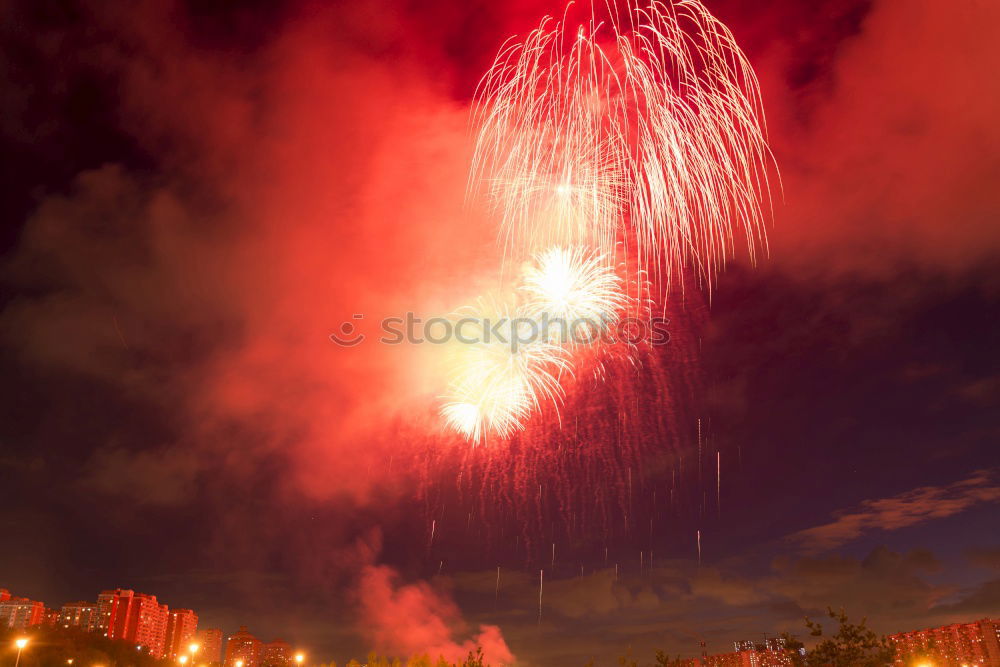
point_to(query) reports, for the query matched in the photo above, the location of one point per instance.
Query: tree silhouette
(664, 660)
(854, 645)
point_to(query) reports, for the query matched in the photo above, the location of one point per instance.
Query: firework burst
(572, 288)
(645, 135)
(502, 375)
(637, 141)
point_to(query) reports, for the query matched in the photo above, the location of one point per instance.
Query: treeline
(852, 645)
(474, 659)
(57, 647)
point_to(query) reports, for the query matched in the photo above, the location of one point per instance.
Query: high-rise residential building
(210, 641)
(764, 644)
(975, 644)
(134, 617)
(990, 633)
(277, 653)
(769, 657)
(242, 648)
(50, 617)
(148, 624)
(4, 595)
(80, 614)
(749, 658)
(20, 613)
(724, 660)
(112, 612)
(181, 627)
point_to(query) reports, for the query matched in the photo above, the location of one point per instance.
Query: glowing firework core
(575, 288)
(499, 380)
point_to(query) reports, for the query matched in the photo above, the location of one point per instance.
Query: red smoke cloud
(890, 157)
(295, 187)
(297, 190)
(413, 619)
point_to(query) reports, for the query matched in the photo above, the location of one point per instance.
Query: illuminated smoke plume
(413, 619)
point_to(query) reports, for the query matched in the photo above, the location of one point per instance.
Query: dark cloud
(986, 557)
(676, 603)
(980, 602)
(907, 509)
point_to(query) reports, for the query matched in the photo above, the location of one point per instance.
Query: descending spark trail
(567, 481)
(541, 586)
(718, 483)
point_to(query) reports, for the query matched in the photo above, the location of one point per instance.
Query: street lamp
(192, 649)
(20, 643)
(239, 663)
(182, 659)
(299, 658)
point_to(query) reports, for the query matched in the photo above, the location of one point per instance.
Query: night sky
(195, 195)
